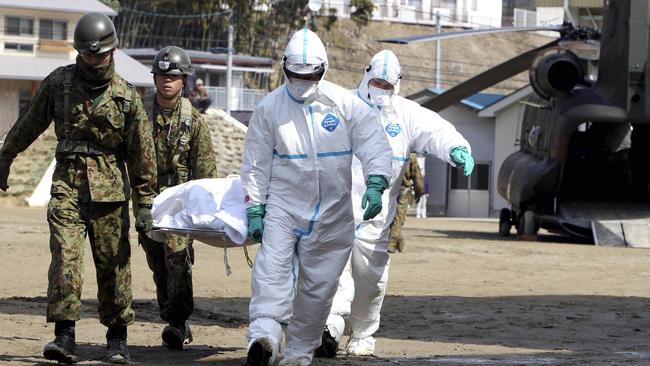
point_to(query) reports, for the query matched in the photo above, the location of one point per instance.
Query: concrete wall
(479, 132)
(9, 99)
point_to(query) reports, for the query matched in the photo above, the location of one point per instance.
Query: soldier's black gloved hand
(4, 173)
(143, 220)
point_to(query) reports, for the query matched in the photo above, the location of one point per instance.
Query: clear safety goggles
(303, 64)
(390, 75)
(304, 71)
(169, 65)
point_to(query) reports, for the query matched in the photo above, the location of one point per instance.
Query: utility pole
(567, 13)
(229, 65)
(438, 50)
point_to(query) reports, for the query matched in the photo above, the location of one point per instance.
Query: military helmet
(94, 33)
(172, 60)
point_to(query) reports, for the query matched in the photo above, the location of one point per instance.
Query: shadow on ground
(575, 323)
(489, 236)
(94, 353)
(224, 312)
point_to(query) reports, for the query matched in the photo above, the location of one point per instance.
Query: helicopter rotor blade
(486, 79)
(448, 35)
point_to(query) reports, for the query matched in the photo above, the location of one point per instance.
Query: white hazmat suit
(409, 128)
(297, 161)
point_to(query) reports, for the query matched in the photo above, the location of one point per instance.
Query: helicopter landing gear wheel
(527, 229)
(504, 222)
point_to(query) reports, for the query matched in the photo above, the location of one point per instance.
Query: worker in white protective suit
(409, 128)
(296, 172)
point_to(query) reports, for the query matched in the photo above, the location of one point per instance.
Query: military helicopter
(583, 167)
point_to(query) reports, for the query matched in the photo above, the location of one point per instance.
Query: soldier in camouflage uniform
(411, 184)
(102, 133)
(184, 152)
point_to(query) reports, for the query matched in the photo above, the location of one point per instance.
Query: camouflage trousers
(171, 263)
(395, 240)
(107, 227)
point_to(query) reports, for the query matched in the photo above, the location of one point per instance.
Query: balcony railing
(241, 99)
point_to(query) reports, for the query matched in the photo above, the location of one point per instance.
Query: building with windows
(250, 76)
(35, 38)
(588, 13)
(490, 123)
(463, 13)
(529, 13)
(518, 12)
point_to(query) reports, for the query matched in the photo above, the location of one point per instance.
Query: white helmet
(304, 63)
(385, 66)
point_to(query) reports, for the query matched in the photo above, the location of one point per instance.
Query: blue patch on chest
(393, 129)
(330, 122)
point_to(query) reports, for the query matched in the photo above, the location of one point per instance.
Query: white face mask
(302, 89)
(380, 96)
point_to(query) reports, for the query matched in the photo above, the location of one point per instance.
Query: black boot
(175, 335)
(116, 349)
(63, 348)
(258, 355)
(328, 346)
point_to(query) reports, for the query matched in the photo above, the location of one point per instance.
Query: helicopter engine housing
(555, 75)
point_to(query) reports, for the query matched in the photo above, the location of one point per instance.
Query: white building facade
(491, 123)
(463, 13)
(36, 38)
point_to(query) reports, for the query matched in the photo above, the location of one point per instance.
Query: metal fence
(240, 99)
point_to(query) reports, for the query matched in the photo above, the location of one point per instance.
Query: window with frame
(53, 29)
(17, 26)
(478, 180)
(19, 47)
(417, 4)
(24, 97)
(444, 4)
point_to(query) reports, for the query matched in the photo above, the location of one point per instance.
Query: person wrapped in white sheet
(211, 204)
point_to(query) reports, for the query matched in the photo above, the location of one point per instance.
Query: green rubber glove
(461, 156)
(4, 173)
(255, 216)
(143, 219)
(371, 200)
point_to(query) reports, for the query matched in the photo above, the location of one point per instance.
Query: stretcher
(215, 238)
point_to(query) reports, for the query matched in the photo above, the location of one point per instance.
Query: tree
(330, 16)
(362, 12)
(113, 4)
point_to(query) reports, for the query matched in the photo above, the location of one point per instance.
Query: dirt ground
(458, 295)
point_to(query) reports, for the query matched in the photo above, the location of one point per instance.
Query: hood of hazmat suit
(385, 66)
(297, 161)
(304, 64)
(408, 128)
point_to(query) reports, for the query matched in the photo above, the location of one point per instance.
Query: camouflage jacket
(104, 137)
(413, 176)
(195, 157)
